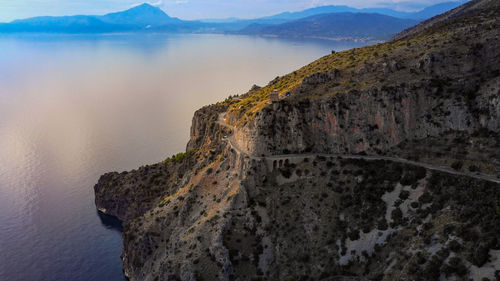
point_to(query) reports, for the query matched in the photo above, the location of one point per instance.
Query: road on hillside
(221, 121)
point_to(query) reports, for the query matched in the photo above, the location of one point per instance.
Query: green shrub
(473, 168)
(454, 246)
(404, 195)
(480, 255)
(382, 224)
(286, 173)
(455, 265)
(457, 165)
(179, 157)
(397, 216)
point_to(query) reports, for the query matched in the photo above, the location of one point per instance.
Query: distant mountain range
(138, 18)
(348, 26)
(321, 22)
(426, 13)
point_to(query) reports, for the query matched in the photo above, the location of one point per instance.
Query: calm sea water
(75, 107)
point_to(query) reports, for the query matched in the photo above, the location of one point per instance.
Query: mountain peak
(145, 7)
(143, 14)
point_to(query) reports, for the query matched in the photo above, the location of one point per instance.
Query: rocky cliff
(418, 87)
(319, 186)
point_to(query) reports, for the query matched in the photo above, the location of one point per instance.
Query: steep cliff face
(372, 121)
(299, 189)
(205, 131)
(130, 194)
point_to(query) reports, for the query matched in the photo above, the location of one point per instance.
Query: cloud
(177, 2)
(157, 3)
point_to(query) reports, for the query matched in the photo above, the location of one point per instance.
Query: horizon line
(156, 5)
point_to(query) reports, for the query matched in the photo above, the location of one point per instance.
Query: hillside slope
(467, 13)
(382, 164)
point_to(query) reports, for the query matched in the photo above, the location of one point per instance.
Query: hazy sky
(189, 9)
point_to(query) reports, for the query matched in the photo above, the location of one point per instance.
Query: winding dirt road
(221, 121)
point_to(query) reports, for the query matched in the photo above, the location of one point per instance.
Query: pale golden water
(73, 107)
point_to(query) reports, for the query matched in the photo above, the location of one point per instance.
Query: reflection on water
(73, 107)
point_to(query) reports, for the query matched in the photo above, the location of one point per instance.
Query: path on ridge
(221, 121)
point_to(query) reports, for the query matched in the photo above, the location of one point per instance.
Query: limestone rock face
(372, 121)
(204, 128)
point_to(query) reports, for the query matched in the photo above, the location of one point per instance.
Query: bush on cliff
(179, 157)
(457, 165)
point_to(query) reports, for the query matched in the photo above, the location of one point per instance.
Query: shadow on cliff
(110, 222)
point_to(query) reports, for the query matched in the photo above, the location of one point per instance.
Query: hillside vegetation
(319, 186)
(387, 64)
(336, 26)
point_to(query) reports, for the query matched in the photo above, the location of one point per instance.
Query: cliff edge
(378, 163)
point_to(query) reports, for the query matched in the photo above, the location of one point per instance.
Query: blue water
(73, 107)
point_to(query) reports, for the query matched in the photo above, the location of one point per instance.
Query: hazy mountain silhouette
(420, 15)
(315, 22)
(142, 15)
(336, 26)
(137, 18)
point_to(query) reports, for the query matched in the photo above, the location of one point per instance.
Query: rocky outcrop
(372, 121)
(204, 128)
(325, 218)
(127, 195)
(265, 203)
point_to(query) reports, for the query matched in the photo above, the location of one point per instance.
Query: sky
(190, 9)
